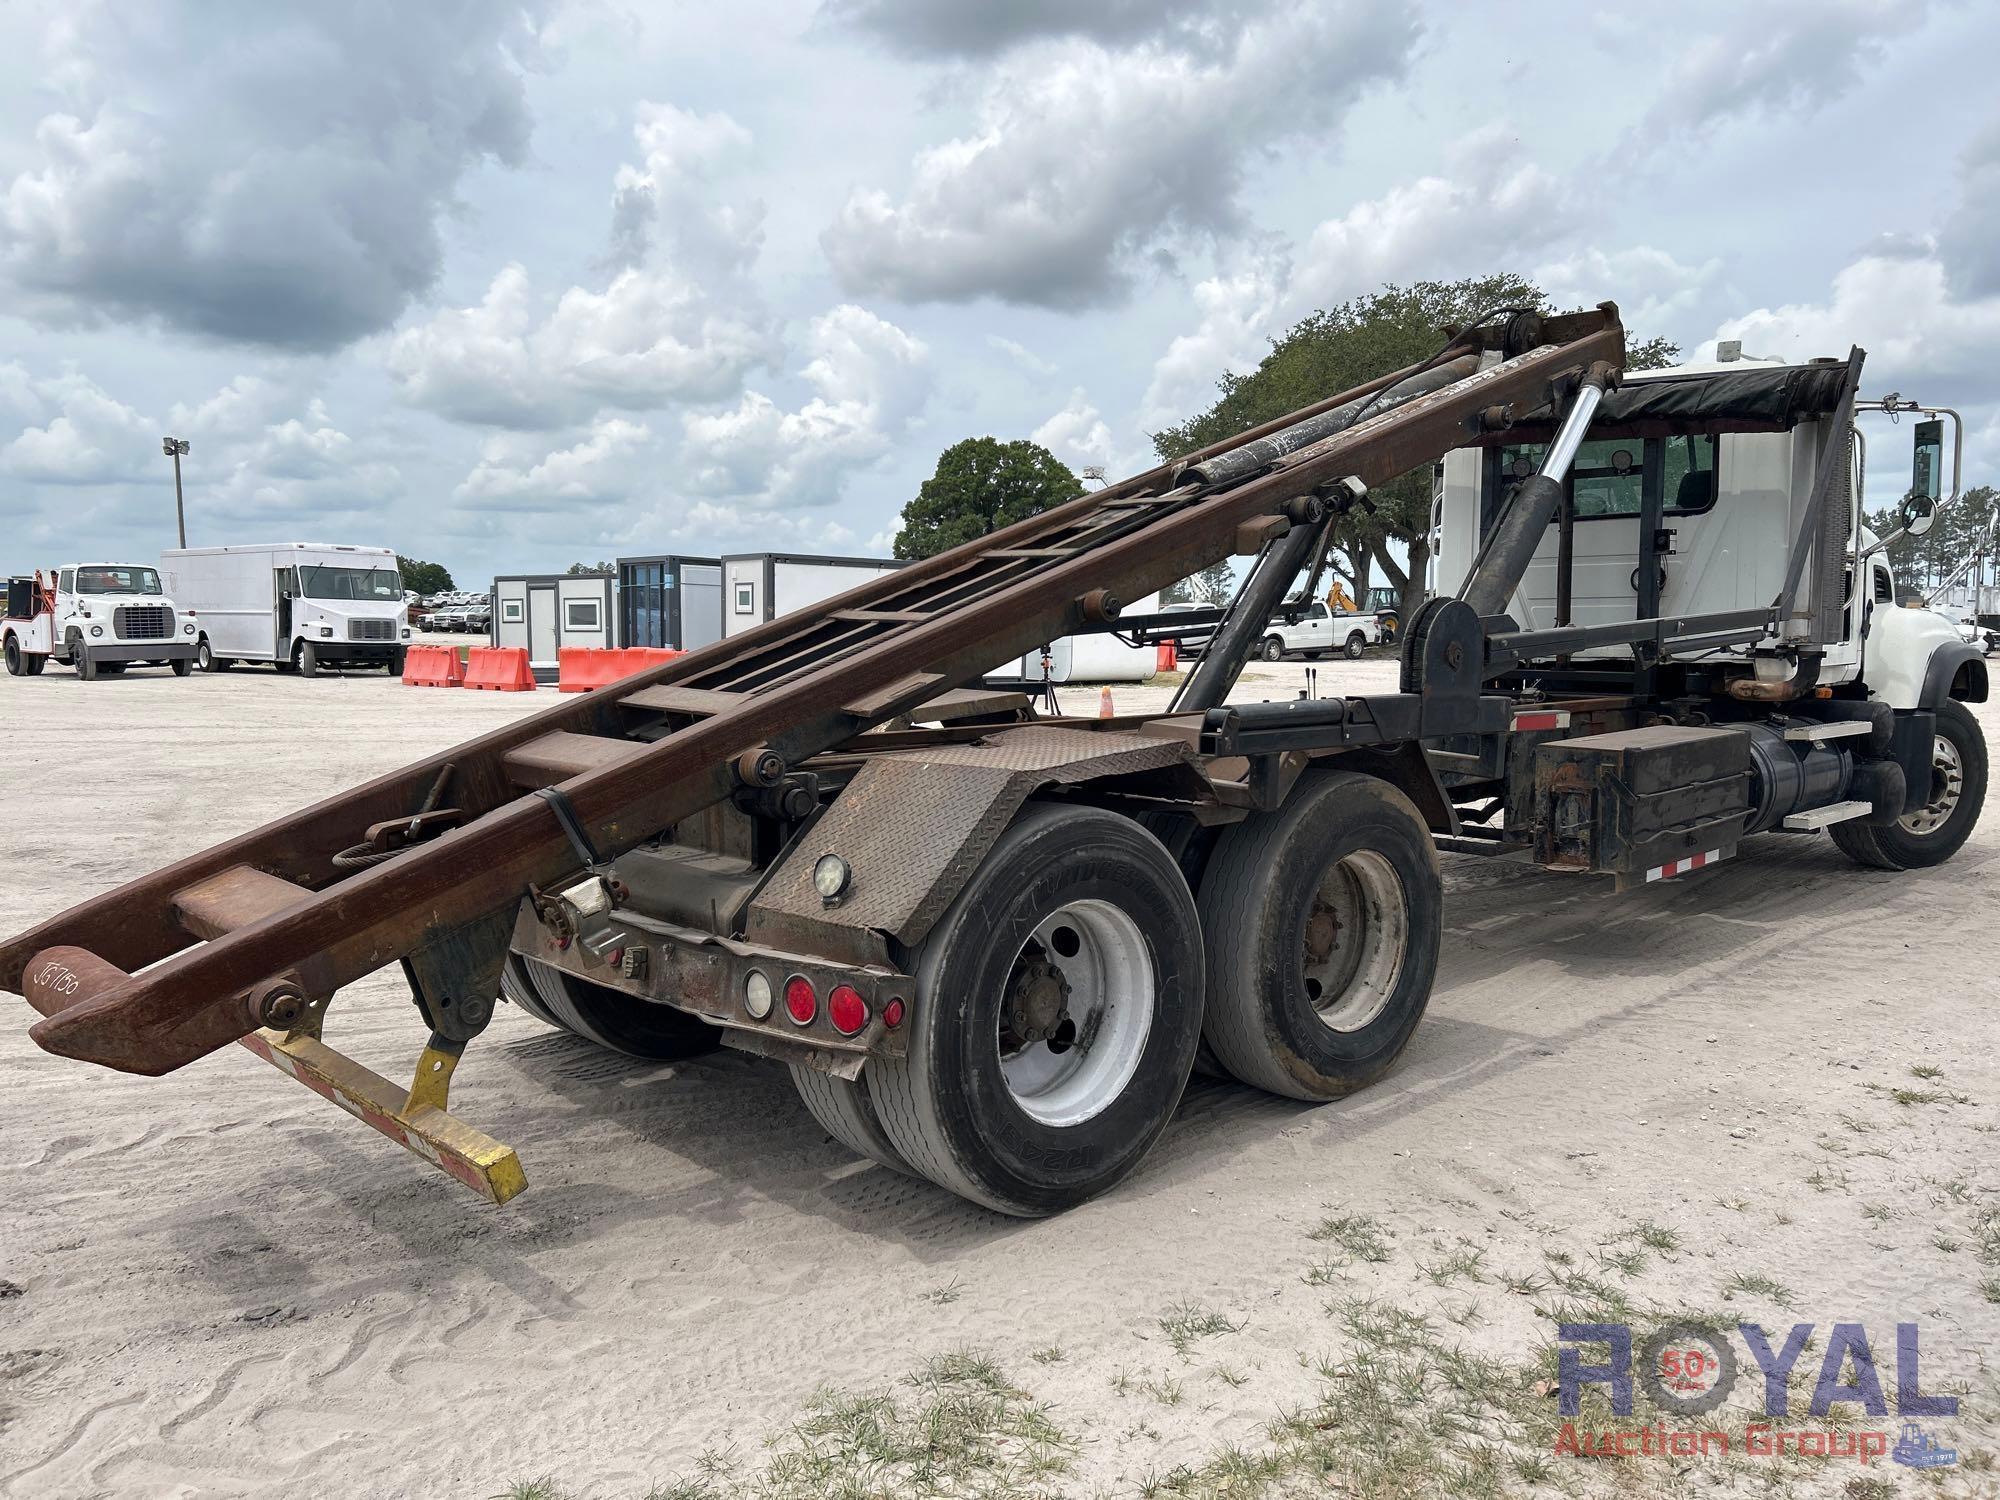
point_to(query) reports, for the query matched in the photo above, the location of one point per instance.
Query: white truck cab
(296, 605)
(98, 618)
(1727, 505)
(1314, 630)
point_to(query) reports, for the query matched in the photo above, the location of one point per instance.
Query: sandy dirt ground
(1768, 1089)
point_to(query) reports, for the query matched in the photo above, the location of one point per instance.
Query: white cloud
(1084, 159)
(871, 380)
(1653, 290)
(274, 174)
(73, 431)
(1081, 438)
(599, 469)
(677, 323)
(1238, 310)
(648, 339)
(1021, 355)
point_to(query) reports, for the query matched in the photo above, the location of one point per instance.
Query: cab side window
(67, 585)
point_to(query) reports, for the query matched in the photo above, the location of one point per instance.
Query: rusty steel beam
(164, 1018)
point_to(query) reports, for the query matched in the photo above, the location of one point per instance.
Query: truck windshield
(117, 581)
(384, 584)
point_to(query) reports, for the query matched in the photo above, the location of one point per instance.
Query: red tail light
(800, 1001)
(846, 1009)
(892, 1014)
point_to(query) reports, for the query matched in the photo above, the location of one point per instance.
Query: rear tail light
(757, 995)
(846, 1009)
(892, 1014)
(800, 1001)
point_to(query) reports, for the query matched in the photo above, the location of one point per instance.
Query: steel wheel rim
(1357, 933)
(1104, 961)
(1947, 785)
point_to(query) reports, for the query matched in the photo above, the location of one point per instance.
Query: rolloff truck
(96, 618)
(992, 947)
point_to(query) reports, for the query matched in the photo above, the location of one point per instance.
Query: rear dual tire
(600, 1014)
(1322, 923)
(1057, 1013)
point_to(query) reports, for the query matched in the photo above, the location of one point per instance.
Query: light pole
(174, 448)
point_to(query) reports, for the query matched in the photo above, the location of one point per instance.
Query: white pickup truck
(1316, 631)
(98, 618)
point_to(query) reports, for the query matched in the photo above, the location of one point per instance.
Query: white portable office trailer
(548, 611)
(1097, 657)
(760, 586)
(294, 604)
(675, 602)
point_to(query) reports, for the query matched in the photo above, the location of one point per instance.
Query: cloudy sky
(512, 287)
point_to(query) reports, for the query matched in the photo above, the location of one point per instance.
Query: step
(557, 757)
(1833, 812)
(234, 898)
(1838, 729)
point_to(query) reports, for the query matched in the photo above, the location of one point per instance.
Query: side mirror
(1918, 512)
(1927, 463)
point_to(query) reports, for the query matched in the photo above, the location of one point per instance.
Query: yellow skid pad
(480, 1162)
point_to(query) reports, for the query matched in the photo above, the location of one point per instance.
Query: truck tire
(846, 1113)
(17, 659)
(182, 665)
(81, 659)
(1273, 649)
(207, 660)
(397, 660)
(36, 661)
(1356, 644)
(308, 660)
(1321, 921)
(1057, 1013)
(1937, 830)
(602, 1015)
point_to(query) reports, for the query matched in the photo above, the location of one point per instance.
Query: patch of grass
(1461, 1264)
(531, 1489)
(1990, 1289)
(1945, 1243)
(1525, 1286)
(1356, 1234)
(1185, 1322)
(1627, 1262)
(1324, 1273)
(1881, 1213)
(1752, 1284)
(1656, 1236)
(1820, 1180)
(944, 1295)
(1926, 1070)
(1229, 1377)
(1911, 1098)
(1048, 1354)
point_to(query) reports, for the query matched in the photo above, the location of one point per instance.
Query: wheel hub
(1947, 783)
(1037, 998)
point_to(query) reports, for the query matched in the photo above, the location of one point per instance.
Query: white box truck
(297, 605)
(760, 586)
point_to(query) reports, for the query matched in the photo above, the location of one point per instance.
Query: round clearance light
(846, 1009)
(892, 1014)
(97, 630)
(801, 1004)
(757, 996)
(831, 877)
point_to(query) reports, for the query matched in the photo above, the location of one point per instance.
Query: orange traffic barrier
(1104, 708)
(581, 668)
(1169, 657)
(639, 658)
(499, 669)
(433, 666)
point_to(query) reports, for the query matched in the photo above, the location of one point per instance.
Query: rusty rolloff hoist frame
(972, 932)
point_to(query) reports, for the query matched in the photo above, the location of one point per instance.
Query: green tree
(584, 570)
(424, 577)
(1943, 557)
(981, 485)
(1342, 346)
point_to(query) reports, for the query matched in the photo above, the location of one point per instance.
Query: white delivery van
(297, 605)
(99, 618)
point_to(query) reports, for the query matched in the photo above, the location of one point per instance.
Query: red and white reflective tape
(1545, 718)
(1692, 862)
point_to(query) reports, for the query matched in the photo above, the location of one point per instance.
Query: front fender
(1907, 650)
(1956, 670)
